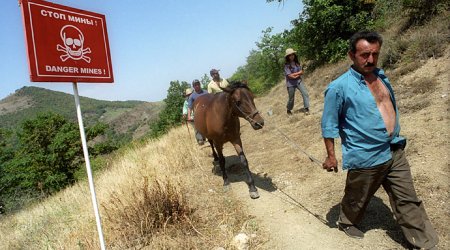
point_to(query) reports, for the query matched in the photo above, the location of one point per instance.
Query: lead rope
(294, 201)
(250, 119)
(311, 158)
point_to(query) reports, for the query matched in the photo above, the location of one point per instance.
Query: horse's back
(200, 112)
(208, 114)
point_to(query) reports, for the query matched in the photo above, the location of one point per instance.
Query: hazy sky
(154, 42)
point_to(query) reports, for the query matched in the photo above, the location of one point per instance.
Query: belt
(395, 147)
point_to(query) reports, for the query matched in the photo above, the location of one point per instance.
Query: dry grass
(416, 45)
(147, 212)
(160, 195)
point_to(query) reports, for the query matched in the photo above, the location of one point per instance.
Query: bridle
(247, 117)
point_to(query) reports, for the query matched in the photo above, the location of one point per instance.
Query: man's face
(365, 58)
(215, 75)
(197, 87)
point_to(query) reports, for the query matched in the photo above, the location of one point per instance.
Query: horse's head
(243, 104)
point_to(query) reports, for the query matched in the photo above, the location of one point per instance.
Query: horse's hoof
(254, 195)
(226, 188)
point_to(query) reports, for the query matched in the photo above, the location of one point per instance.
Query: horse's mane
(237, 84)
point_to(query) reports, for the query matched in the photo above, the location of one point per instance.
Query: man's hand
(184, 117)
(330, 164)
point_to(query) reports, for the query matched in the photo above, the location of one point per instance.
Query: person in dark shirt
(293, 72)
(198, 91)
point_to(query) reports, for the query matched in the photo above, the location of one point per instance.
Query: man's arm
(189, 118)
(209, 88)
(330, 163)
(189, 107)
(224, 83)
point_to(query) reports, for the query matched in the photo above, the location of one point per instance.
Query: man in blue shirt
(198, 91)
(360, 108)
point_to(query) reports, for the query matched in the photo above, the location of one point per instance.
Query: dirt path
(299, 201)
(290, 226)
(293, 221)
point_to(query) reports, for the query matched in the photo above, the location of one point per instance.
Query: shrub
(149, 211)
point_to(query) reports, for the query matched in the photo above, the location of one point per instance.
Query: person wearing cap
(215, 85)
(293, 72)
(198, 91)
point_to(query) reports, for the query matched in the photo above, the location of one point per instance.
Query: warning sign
(66, 44)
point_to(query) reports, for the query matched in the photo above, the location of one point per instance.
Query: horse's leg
(226, 182)
(250, 182)
(213, 150)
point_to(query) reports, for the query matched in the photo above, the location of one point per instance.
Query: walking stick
(189, 131)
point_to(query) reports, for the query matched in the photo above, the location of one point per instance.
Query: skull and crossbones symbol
(73, 40)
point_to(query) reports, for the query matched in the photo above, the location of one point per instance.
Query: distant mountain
(124, 117)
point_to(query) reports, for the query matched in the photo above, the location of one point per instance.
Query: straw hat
(289, 51)
(188, 91)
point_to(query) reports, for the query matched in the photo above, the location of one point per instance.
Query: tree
(324, 27)
(264, 65)
(48, 155)
(6, 149)
(204, 81)
(171, 115)
(272, 49)
(6, 154)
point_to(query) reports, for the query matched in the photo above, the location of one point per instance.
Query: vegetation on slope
(40, 150)
(165, 170)
(157, 194)
(321, 32)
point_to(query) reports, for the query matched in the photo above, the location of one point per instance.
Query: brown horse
(217, 118)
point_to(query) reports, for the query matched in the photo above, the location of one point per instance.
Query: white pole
(88, 167)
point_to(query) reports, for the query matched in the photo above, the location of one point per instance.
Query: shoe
(289, 112)
(351, 231)
(201, 142)
(306, 111)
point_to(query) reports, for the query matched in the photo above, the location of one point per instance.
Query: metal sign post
(88, 166)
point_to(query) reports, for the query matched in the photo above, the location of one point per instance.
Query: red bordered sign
(66, 44)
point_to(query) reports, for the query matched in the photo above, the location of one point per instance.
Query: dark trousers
(395, 177)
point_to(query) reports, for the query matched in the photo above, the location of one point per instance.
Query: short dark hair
(370, 36)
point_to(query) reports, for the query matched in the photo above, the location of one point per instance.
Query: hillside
(124, 117)
(299, 201)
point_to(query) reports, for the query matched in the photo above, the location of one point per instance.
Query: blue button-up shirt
(350, 111)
